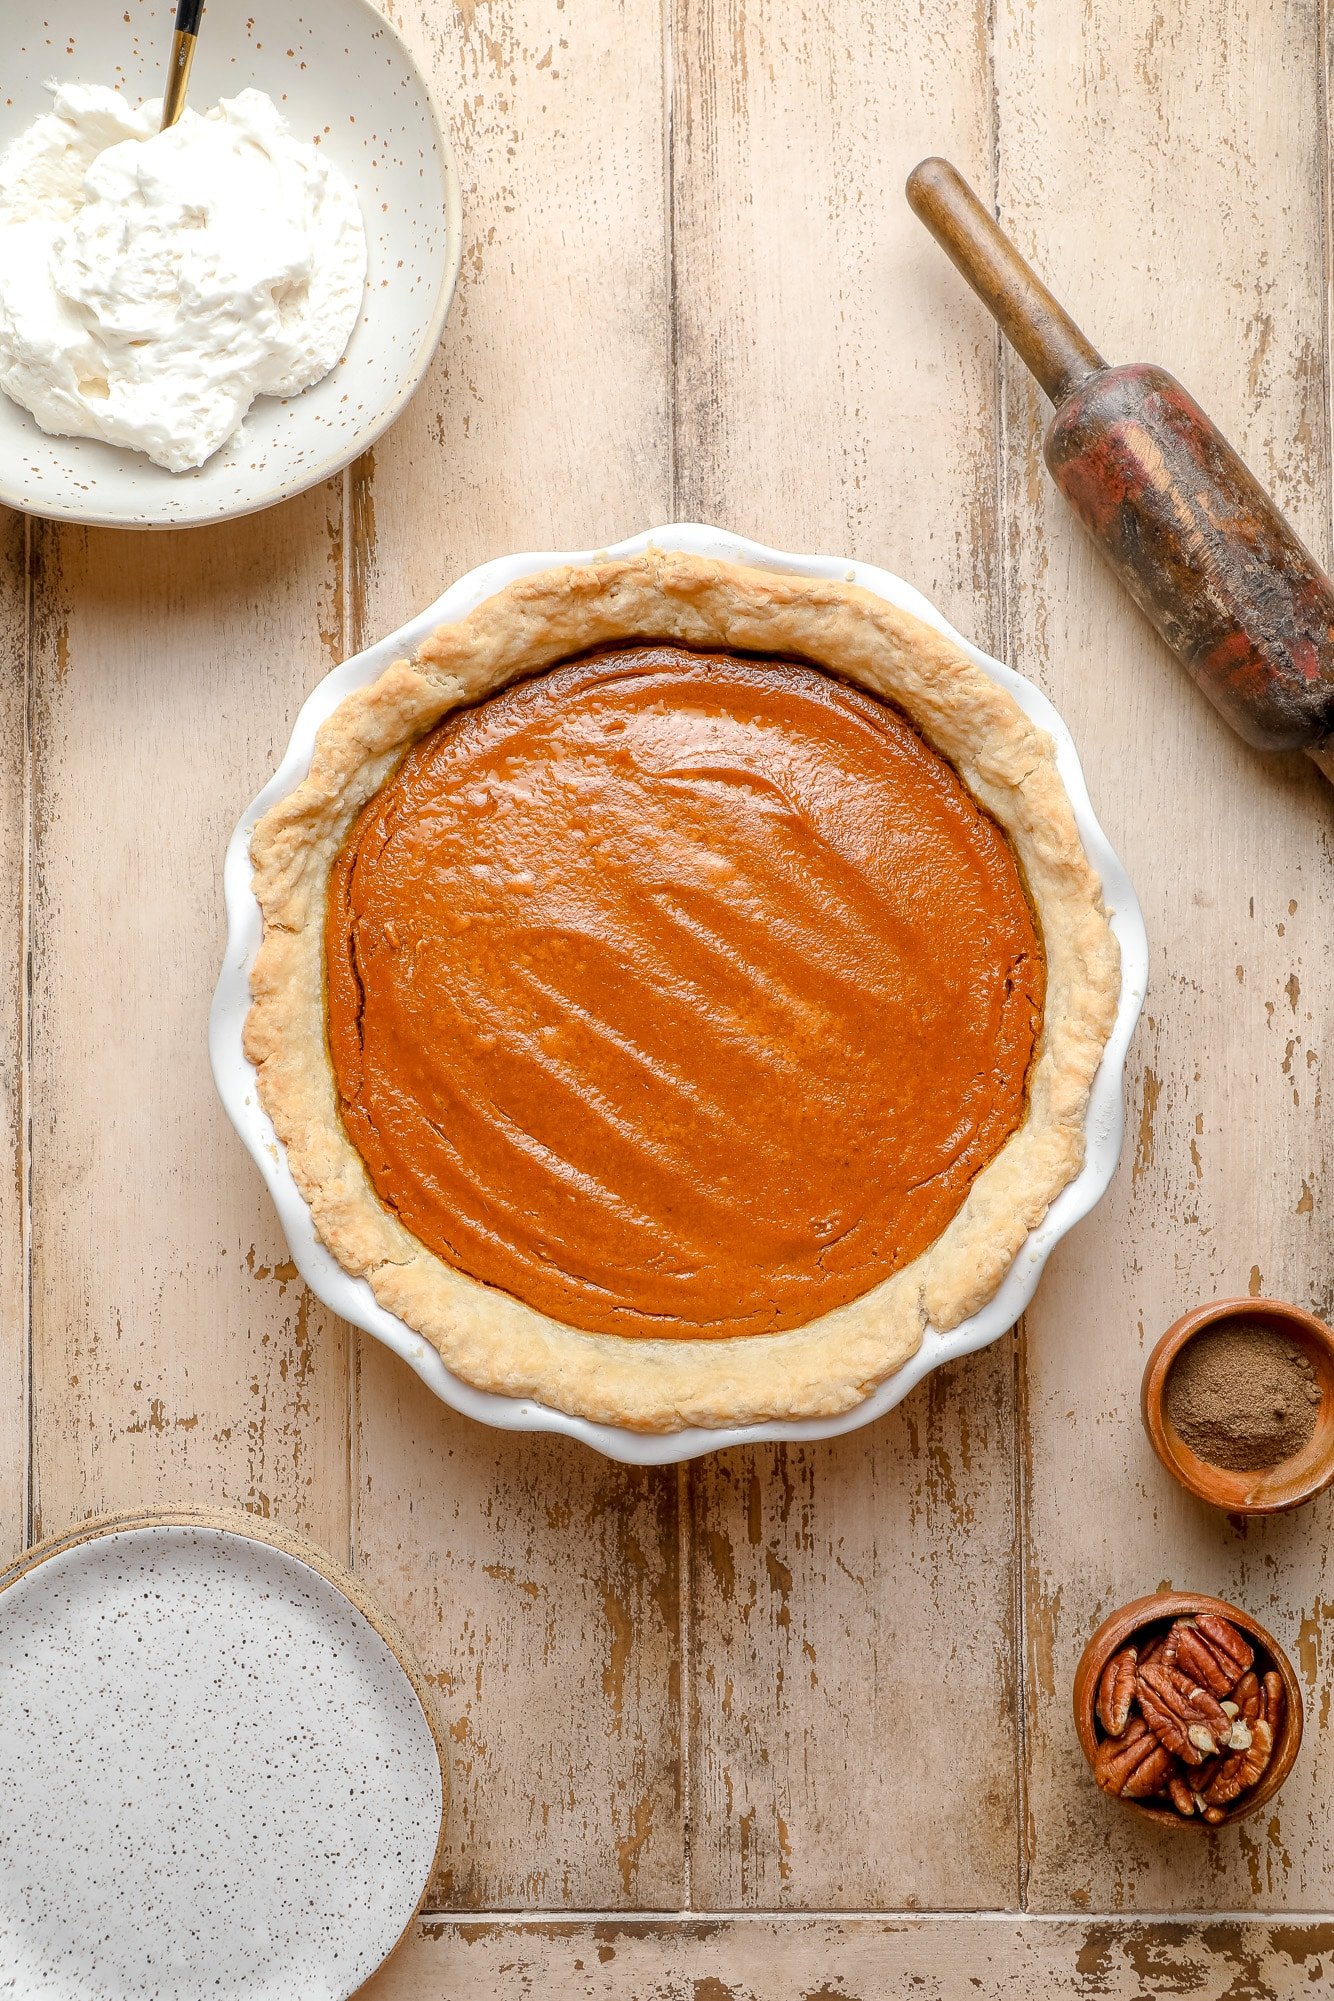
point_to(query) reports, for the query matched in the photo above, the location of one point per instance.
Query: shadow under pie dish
(681, 984)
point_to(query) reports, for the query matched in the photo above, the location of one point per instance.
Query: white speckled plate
(343, 77)
(218, 1770)
(353, 1298)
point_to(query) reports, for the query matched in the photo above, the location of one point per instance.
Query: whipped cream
(152, 284)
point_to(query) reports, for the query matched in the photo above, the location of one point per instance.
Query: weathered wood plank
(540, 1587)
(1168, 170)
(544, 421)
(936, 1958)
(176, 1355)
(851, 1603)
(13, 942)
(539, 1583)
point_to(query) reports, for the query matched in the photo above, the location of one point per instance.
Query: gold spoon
(189, 13)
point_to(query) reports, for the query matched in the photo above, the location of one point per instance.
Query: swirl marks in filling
(679, 994)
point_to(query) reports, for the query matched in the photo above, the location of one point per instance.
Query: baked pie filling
(682, 985)
(679, 994)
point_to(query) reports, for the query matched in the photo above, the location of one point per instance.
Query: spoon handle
(189, 14)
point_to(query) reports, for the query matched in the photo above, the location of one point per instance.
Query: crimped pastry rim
(500, 1345)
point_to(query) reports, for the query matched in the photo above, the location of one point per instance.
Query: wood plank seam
(1020, 1438)
(355, 483)
(684, 1484)
(25, 1048)
(685, 1543)
(1327, 232)
(906, 1919)
(353, 639)
(668, 61)
(1019, 1584)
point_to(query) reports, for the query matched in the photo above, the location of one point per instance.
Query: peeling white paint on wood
(942, 1957)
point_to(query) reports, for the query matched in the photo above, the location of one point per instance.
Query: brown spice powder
(1242, 1397)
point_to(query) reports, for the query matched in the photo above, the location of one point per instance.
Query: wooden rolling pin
(1179, 516)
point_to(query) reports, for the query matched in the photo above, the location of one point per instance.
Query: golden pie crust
(495, 1341)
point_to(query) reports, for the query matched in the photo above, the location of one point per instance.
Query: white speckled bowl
(353, 1298)
(219, 1770)
(341, 74)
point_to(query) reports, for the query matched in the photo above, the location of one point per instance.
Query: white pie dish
(353, 1299)
(343, 76)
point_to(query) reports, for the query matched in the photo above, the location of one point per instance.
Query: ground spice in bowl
(1242, 1396)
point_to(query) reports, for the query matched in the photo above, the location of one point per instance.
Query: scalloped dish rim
(353, 1299)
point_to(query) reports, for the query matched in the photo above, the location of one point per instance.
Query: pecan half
(1134, 1765)
(1234, 1651)
(1204, 1662)
(1273, 1702)
(1116, 1691)
(1183, 1799)
(1240, 1770)
(1247, 1697)
(1185, 1718)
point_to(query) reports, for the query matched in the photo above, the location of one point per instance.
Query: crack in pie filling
(680, 984)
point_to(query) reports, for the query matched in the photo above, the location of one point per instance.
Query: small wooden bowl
(1148, 1615)
(1266, 1490)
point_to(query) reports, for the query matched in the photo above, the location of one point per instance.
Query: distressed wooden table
(783, 1722)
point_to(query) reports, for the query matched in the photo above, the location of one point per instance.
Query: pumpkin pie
(680, 985)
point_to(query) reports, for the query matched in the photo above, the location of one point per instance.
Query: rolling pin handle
(1040, 330)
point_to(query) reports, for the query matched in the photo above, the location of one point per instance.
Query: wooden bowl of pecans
(1187, 1709)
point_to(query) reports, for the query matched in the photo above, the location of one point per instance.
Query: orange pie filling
(677, 994)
